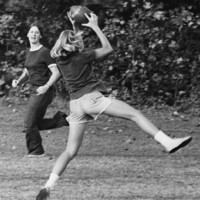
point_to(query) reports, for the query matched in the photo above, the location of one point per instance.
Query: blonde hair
(69, 41)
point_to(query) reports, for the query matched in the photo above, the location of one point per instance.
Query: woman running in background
(41, 72)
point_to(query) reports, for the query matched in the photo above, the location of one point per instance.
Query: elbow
(58, 75)
(109, 49)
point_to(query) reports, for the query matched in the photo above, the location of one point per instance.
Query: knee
(31, 130)
(71, 153)
(136, 114)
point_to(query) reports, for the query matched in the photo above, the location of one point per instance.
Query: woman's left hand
(42, 89)
(92, 20)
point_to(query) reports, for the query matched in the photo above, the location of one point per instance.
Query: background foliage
(156, 46)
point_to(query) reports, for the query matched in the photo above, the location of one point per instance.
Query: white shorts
(88, 107)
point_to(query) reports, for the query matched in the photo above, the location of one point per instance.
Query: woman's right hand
(15, 83)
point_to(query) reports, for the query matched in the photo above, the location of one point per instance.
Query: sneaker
(36, 155)
(43, 194)
(61, 119)
(44, 155)
(178, 143)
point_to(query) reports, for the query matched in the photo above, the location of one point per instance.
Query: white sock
(53, 178)
(163, 139)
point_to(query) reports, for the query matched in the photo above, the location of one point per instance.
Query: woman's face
(34, 35)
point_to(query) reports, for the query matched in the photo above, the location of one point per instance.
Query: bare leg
(75, 138)
(76, 132)
(123, 110)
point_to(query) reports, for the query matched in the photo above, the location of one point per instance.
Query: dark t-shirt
(77, 71)
(37, 63)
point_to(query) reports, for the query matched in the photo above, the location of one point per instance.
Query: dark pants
(34, 120)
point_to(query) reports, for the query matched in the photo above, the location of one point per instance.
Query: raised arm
(106, 46)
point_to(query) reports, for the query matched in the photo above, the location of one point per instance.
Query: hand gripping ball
(77, 14)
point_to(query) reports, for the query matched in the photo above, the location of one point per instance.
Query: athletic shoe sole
(183, 144)
(43, 194)
(36, 156)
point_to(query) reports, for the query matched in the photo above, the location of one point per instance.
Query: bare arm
(23, 78)
(53, 78)
(106, 46)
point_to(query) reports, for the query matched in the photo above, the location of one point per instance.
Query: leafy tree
(156, 45)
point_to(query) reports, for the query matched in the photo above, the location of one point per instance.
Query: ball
(77, 14)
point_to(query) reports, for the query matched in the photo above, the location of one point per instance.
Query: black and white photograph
(99, 100)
